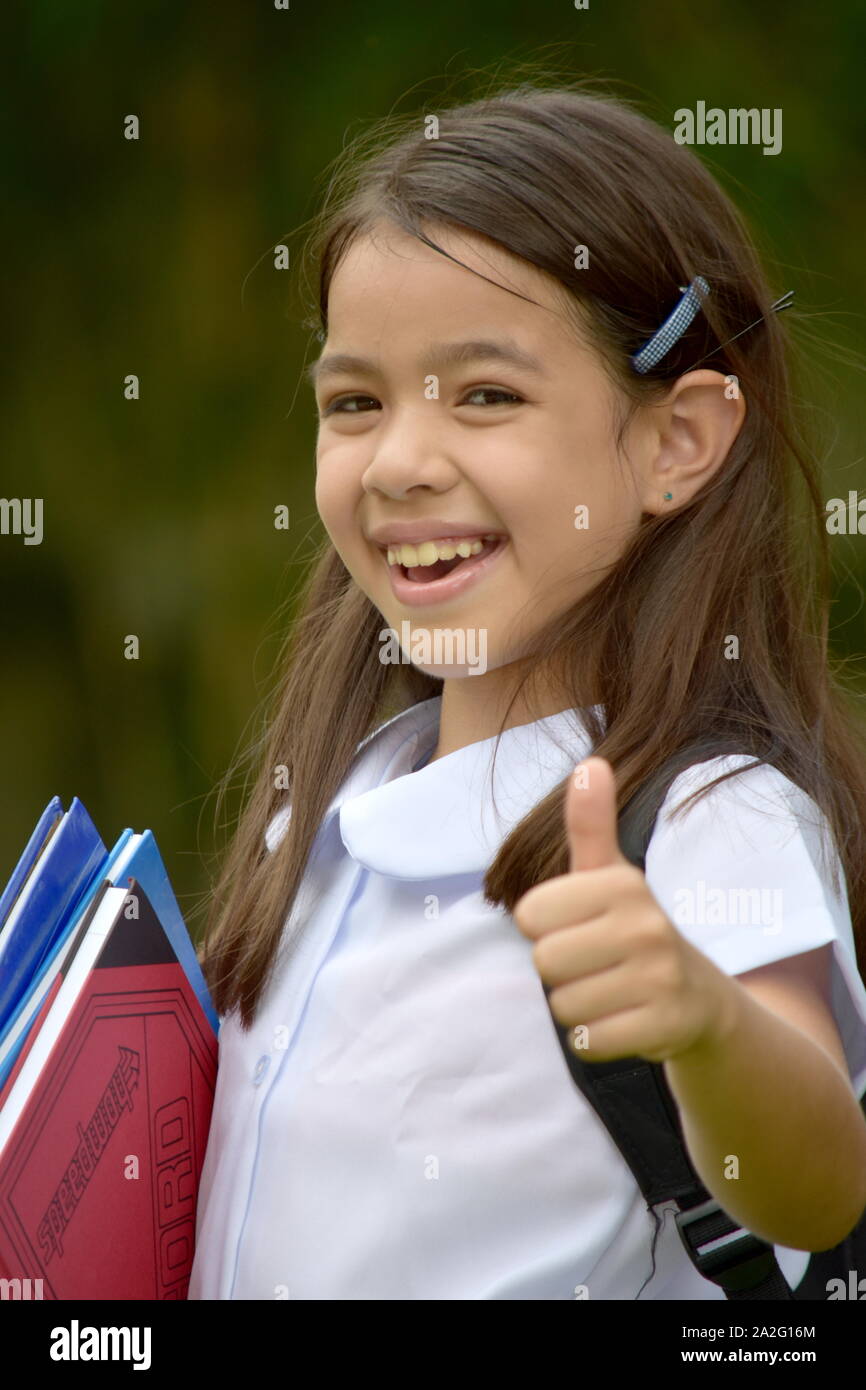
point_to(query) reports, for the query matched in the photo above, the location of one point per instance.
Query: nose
(408, 452)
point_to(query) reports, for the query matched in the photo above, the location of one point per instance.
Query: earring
(668, 496)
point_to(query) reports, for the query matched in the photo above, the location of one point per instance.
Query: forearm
(765, 1102)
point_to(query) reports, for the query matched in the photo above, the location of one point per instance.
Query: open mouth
(444, 579)
(428, 574)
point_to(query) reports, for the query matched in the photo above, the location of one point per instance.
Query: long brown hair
(539, 169)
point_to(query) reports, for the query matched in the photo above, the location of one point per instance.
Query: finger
(571, 899)
(590, 816)
(577, 953)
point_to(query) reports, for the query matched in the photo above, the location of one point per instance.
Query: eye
(335, 406)
(511, 396)
(344, 405)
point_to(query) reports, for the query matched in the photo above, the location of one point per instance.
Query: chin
(440, 650)
(450, 673)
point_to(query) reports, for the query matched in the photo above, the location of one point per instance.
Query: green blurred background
(154, 257)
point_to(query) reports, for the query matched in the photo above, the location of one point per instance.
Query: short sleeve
(749, 874)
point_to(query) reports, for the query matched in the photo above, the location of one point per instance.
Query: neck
(475, 708)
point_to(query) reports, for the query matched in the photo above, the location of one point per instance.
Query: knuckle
(527, 911)
(541, 956)
(628, 879)
(558, 1004)
(523, 915)
(652, 928)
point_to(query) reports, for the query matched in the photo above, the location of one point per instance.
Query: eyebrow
(504, 351)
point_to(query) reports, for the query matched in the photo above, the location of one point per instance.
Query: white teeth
(428, 552)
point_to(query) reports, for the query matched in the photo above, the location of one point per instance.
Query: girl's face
(450, 408)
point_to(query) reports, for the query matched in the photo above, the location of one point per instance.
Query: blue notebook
(44, 826)
(62, 867)
(15, 1034)
(60, 875)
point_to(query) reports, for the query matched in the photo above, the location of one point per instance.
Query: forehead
(391, 279)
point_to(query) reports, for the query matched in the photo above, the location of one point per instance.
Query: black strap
(633, 1100)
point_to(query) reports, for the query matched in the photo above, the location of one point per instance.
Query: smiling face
(423, 438)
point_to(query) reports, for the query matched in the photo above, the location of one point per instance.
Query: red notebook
(104, 1122)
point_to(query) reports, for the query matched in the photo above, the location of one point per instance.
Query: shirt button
(260, 1068)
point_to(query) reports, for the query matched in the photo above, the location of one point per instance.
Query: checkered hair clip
(675, 325)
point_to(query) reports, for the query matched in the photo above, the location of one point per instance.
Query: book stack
(108, 1060)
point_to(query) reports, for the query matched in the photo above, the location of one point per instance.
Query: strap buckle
(723, 1251)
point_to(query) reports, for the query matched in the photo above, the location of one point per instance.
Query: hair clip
(679, 319)
(674, 326)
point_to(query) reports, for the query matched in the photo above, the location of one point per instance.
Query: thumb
(590, 816)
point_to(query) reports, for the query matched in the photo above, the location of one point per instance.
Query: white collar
(442, 819)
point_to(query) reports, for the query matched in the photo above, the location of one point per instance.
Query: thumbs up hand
(621, 974)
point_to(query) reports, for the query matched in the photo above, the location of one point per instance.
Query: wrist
(728, 1002)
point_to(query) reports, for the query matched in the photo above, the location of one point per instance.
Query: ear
(688, 438)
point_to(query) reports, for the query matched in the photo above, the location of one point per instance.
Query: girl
(552, 531)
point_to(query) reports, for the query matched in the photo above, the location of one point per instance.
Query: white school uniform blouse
(400, 1122)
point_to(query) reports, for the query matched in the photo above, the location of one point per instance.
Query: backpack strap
(632, 1098)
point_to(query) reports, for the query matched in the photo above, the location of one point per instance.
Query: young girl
(552, 531)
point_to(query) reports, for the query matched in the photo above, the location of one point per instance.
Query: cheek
(337, 500)
(582, 491)
(321, 495)
(336, 496)
(570, 519)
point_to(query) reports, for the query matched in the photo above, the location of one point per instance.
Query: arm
(771, 1087)
(755, 1064)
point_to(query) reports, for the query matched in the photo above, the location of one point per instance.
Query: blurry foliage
(153, 257)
